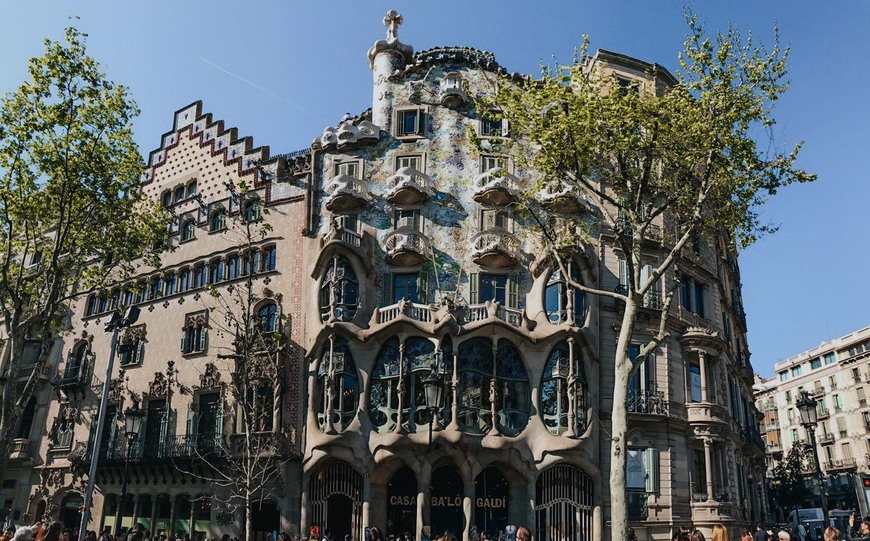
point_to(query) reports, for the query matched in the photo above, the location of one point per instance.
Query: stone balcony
(706, 413)
(346, 193)
(406, 248)
(451, 93)
(20, 449)
(408, 187)
(495, 248)
(560, 197)
(496, 187)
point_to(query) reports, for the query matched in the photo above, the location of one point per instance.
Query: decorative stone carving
(211, 378)
(159, 386)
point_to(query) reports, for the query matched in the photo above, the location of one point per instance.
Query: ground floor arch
(336, 501)
(564, 504)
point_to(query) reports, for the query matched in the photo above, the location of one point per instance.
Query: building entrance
(563, 504)
(445, 505)
(71, 511)
(336, 500)
(491, 502)
(402, 502)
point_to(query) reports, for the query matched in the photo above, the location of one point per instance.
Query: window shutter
(164, 429)
(423, 287)
(505, 128)
(623, 273)
(474, 287)
(421, 122)
(512, 293)
(651, 462)
(203, 339)
(388, 289)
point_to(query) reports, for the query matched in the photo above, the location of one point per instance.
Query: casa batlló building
(400, 268)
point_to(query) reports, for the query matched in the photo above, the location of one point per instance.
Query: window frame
(400, 116)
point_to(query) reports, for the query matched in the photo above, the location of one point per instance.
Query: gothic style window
(337, 387)
(252, 211)
(559, 381)
(507, 398)
(268, 258)
(564, 304)
(339, 291)
(194, 337)
(188, 230)
(391, 403)
(267, 317)
(216, 271)
(132, 347)
(218, 220)
(76, 365)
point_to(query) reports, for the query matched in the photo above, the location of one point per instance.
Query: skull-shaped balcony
(496, 187)
(408, 187)
(495, 248)
(346, 193)
(560, 197)
(452, 94)
(407, 248)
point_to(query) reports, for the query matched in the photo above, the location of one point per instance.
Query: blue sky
(282, 71)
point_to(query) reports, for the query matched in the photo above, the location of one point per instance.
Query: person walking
(862, 532)
(760, 534)
(832, 534)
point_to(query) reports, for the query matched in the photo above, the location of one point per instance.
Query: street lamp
(810, 419)
(433, 390)
(115, 324)
(132, 424)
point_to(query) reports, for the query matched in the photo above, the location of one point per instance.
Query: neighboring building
(175, 361)
(837, 375)
(400, 261)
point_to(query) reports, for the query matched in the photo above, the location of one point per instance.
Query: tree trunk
(619, 425)
(248, 509)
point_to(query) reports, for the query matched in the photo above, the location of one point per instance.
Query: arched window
(268, 317)
(561, 300)
(188, 230)
(167, 198)
(252, 211)
(191, 188)
(478, 366)
(555, 393)
(179, 194)
(412, 366)
(218, 220)
(76, 365)
(339, 291)
(336, 376)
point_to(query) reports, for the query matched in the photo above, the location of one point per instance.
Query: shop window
(339, 291)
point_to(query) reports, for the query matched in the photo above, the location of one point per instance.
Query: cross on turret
(392, 22)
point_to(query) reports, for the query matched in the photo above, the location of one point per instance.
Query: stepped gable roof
(190, 122)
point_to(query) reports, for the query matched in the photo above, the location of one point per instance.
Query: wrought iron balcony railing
(650, 402)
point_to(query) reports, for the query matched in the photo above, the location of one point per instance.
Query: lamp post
(810, 419)
(132, 424)
(433, 391)
(115, 324)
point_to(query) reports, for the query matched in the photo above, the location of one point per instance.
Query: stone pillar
(597, 523)
(467, 508)
(708, 465)
(191, 528)
(304, 509)
(119, 512)
(703, 362)
(424, 494)
(172, 502)
(155, 504)
(367, 500)
(135, 509)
